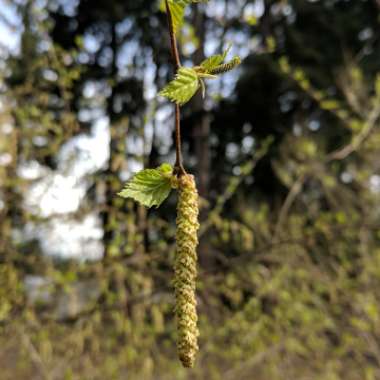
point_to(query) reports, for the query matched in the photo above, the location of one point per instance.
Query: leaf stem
(178, 166)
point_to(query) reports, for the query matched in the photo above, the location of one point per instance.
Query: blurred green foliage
(289, 284)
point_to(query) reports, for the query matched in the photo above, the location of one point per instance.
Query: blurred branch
(35, 356)
(155, 297)
(238, 371)
(4, 20)
(260, 255)
(370, 124)
(233, 185)
(292, 195)
(324, 103)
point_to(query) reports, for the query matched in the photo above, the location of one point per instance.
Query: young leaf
(211, 62)
(177, 10)
(223, 68)
(183, 87)
(150, 187)
(166, 170)
(214, 65)
(214, 61)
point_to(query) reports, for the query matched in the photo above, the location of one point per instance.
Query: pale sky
(60, 192)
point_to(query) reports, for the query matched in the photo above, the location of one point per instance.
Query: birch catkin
(185, 270)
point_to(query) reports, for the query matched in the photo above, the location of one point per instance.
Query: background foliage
(285, 152)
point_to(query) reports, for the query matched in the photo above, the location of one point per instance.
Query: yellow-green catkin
(185, 270)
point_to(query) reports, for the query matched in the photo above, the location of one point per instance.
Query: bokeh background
(285, 150)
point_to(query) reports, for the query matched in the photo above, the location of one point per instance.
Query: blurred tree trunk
(201, 135)
(10, 211)
(112, 209)
(201, 127)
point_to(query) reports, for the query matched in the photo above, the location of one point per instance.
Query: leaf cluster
(188, 80)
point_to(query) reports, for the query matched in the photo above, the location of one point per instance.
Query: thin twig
(344, 152)
(292, 195)
(34, 355)
(232, 186)
(252, 362)
(178, 167)
(178, 162)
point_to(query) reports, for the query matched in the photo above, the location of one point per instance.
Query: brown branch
(178, 166)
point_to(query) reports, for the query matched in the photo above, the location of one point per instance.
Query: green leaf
(215, 60)
(183, 87)
(166, 169)
(225, 67)
(177, 10)
(215, 65)
(150, 187)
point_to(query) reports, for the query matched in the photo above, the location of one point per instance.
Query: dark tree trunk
(117, 149)
(201, 127)
(201, 136)
(10, 213)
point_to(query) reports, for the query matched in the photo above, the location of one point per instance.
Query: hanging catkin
(185, 270)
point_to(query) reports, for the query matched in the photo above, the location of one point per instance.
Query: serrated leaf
(150, 187)
(183, 87)
(215, 60)
(211, 62)
(177, 9)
